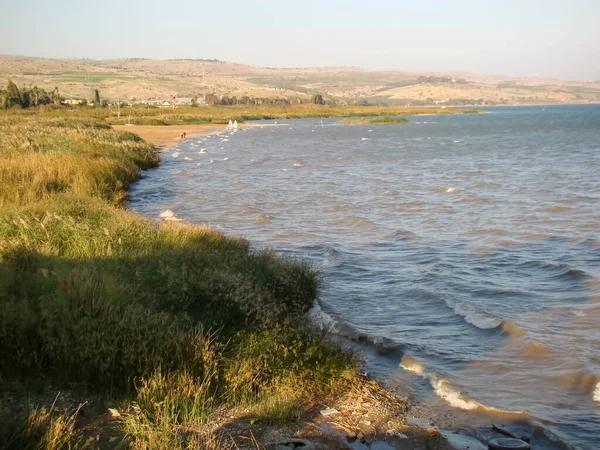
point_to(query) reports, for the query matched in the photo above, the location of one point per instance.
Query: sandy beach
(167, 136)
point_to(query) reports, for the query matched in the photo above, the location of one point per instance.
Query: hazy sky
(558, 38)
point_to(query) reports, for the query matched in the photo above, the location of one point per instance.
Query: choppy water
(467, 246)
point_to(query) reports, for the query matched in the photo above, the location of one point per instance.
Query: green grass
(221, 114)
(383, 120)
(180, 319)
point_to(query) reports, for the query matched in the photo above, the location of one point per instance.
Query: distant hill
(149, 79)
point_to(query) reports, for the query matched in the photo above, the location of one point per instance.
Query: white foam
(202, 150)
(597, 393)
(176, 155)
(298, 165)
(444, 389)
(482, 320)
(199, 164)
(225, 159)
(364, 139)
(187, 158)
(167, 213)
(212, 161)
(451, 189)
(321, 318)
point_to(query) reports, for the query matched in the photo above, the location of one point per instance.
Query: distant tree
(96, 98)
(56, 98)
(194, 102)
(245, 100)
(317, 99)
(83, 103)
(13, 95)
(211, 99)
(104, 103)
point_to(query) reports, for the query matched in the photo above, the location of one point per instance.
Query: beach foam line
(446, 392)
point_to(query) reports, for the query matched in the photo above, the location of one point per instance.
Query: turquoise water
(462, 253)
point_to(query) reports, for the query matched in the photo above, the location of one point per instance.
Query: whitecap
(176, 155)
(450, 190)
(597, 393)
(364, 139)
(298, 165)
(225, 159)
(187, 158)
(199, 164)
(285, 170)
(167, 213)
(212, 161)
(202, 150)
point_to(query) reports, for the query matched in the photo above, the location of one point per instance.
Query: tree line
(215, 100)
(13, 97)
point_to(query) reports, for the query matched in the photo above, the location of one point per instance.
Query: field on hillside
(134, 80)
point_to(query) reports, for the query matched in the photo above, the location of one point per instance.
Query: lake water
(461, 252)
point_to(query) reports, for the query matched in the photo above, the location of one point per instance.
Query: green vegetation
(13, 97)
(95, 299)
(382, 120)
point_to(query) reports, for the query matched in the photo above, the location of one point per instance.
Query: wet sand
(166, 136)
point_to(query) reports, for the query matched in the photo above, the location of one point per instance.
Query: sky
(546, 38)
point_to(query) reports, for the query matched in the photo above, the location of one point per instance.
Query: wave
(487, 321)
(534, 351)
(553, 209)
(332, 257)
(359, 223)
(263, 218)
(382, 345)
(447, 189)
(585, 383)
(444, 389)
(321, 318)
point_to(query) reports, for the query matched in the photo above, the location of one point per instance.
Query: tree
(104, 103)
(56, 98)
(13, 95)
(96, 98)
(83, 103)
(194, 102)
(211, 99)
(317, 99)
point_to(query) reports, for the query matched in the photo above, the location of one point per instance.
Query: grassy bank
(377, 121)
(222, 114)
(175, 321)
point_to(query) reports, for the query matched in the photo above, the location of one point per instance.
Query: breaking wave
(444, 389)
